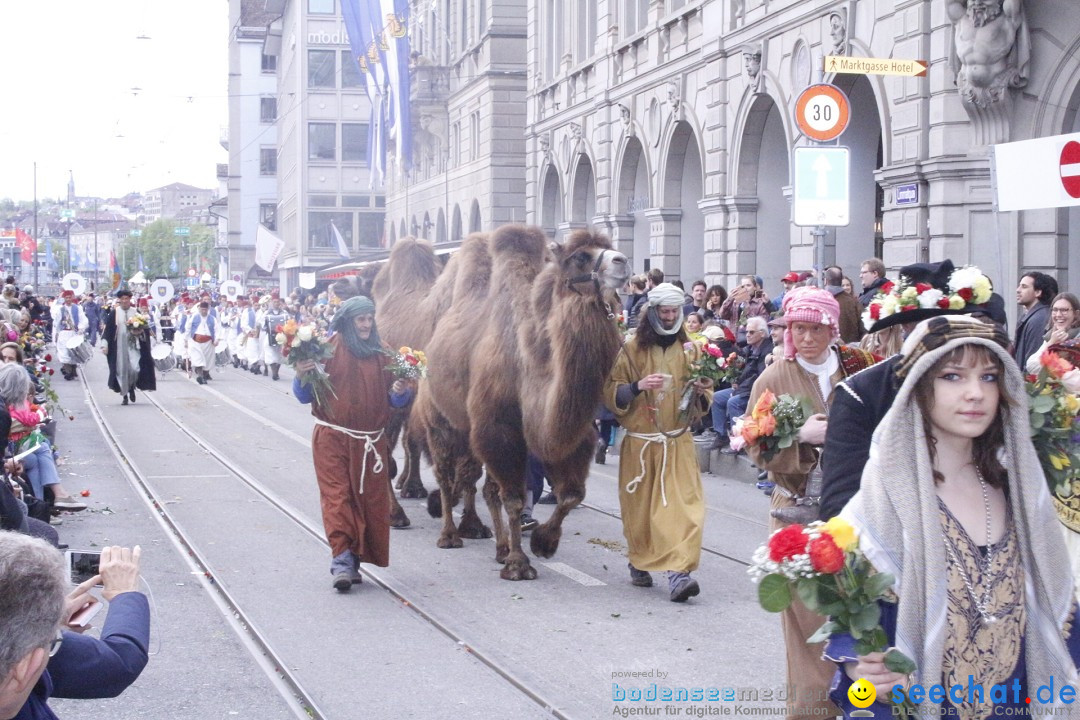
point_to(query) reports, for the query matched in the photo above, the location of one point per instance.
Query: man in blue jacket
(38, 659)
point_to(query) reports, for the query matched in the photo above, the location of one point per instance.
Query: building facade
(323, 176)
(468, 92)
(168, 201)
(251, 138)
(670, 125)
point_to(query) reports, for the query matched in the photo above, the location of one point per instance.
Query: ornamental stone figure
(991, 48)
(838, 32)
(752, 63)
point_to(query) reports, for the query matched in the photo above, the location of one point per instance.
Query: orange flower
(766, 424)
(750, 431)
(764, 404)
(1056, 365)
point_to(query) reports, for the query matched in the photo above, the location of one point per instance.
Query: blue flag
(173, 267)
(142, 266)
(50, 259)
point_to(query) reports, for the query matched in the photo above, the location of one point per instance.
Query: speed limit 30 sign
(822, 112)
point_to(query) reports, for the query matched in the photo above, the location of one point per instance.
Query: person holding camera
(746, 301)
(42, 653)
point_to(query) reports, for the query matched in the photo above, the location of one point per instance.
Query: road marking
(573, 574)
(251, 413)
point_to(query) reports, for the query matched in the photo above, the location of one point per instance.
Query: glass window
(322, 200)
(269, 63)
(268, 215)
(321, 226)
(321, 143)
(320, 7)
(267, 109)
(351, 76)
(355, 201)
(268, 161)
(354, 142)
(320, 72)
(380, 201)
(371, 229)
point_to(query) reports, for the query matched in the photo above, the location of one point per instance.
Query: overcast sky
(69, 68)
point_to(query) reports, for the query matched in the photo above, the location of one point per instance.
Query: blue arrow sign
(822, 186)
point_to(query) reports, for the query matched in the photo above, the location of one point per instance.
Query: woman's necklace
(982, 603)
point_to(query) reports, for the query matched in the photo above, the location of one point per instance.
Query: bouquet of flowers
(821, 563)
(407, 364)
(136, 325)
(707, 362)
(774, 423)
(1055, 424)
(307, 342)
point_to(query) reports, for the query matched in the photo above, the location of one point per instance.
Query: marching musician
(70, 321)
(202, 333)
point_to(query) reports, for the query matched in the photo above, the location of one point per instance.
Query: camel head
(587, 258)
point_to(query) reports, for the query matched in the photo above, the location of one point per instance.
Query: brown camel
(517, 362)
(409, 294)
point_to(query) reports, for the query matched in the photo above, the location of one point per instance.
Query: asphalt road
(565, 637)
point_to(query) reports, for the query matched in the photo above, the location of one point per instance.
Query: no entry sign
(1070, 168)
(1039, 173)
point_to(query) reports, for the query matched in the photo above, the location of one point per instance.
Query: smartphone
(84, 616)
(83, 565)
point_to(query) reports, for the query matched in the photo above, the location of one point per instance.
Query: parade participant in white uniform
(70, 321)
(202, 332)
(180, 335)
(235, 334)
(249, 325)
(274, 318)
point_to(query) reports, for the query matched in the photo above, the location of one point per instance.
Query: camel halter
(369, 438)
(594, 277)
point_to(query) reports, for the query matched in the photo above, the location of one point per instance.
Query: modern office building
(323, 113)
(168, 201)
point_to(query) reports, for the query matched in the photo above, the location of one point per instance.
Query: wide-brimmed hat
(918, 296)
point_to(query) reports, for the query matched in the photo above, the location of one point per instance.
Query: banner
(50, 259)
(26, 244)
(114, 270)
(173, 266)
(339, 241)
(267, 248)
(396, 15)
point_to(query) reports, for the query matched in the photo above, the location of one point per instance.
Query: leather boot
(274, 368)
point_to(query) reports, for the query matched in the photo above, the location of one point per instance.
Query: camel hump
(521, 242)
(412, 265)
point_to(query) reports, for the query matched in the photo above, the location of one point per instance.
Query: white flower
(304, 333)
(280, 337)
(929, 299)
(965, 277)
(1071, 381)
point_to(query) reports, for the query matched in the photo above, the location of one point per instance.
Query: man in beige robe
(660, 492)
(811, 367)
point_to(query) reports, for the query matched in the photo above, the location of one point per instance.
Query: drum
(164, 360)
(80, 349)
(222, 356)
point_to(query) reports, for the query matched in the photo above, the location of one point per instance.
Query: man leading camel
(351, 454)
(660, 493)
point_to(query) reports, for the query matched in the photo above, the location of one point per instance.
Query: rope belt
(369, 438)
(648, 438)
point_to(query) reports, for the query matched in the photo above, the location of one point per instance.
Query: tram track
(585, 505)
(257, 643)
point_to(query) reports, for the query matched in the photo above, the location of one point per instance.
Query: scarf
(896, 514)
(343, 324)
(664, 295)
(810, 305)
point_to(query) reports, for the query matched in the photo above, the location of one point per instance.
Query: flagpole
(35, 230)
(97, 260)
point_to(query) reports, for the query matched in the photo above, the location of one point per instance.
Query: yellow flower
(405, 350)
(842, 533)
(957, 303)
(982, 289)
(1071, 403)
(1059, 461)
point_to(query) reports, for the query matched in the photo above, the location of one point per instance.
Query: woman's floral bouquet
(307, 342)
(774, 423)
(706, 359)
(1055, 424)
(821, 563)
(407, 364)
(137, 325)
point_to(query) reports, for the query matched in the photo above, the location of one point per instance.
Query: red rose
(50, 371)
(787, 543)
(887, 287)
(85, 493)
(825, 555)
(875, 311)
(965, 293)
(412, 359)
(48, 358)
(943, 303)
(714, 351)
(922, 287)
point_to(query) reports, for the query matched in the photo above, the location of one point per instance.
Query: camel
(409, 293)
(516, 365)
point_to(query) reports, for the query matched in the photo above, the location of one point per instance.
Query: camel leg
(449, 537)
(568, 484)
(398, 518)
(471, 526)
(410, 483)
(393, 432)
(494, 503)
(505, 460)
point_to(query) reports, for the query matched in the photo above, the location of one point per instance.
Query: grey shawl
(896, 513)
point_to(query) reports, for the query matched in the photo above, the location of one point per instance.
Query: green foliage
(159, 244)
(774, 593)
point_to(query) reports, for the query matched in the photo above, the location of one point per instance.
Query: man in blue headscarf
(351, 455)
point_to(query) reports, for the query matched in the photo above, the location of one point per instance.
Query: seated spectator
(24, 434)
(714, 300)
(694, 322)
(731, 402)
(39, 660)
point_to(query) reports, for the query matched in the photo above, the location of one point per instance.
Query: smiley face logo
(861, 693)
